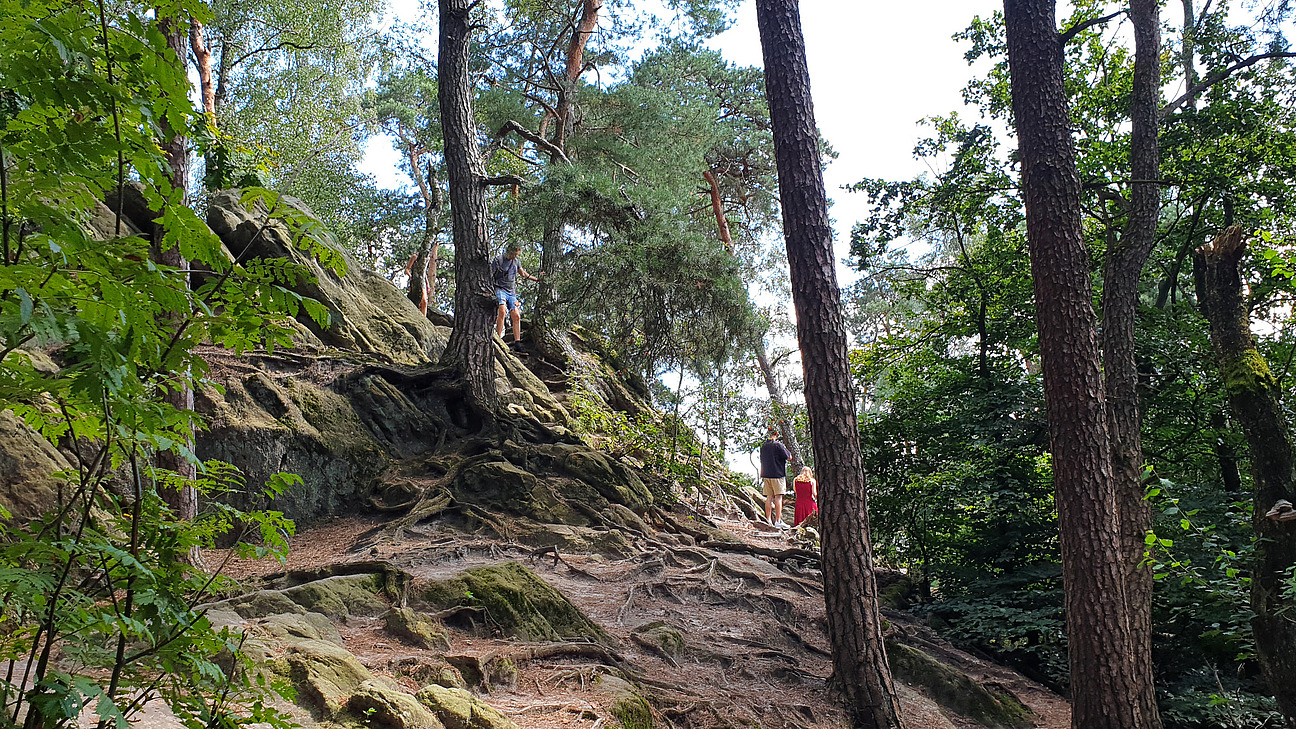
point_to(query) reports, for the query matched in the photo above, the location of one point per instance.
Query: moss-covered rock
(661, 639)
(267, 425)
(324, 675)
(625, 702)
(259, 604)
(573, 539)
(27, 466)
(341, 597)
(515, 600)
(459, 709)
(367, 313)
(416, 629)
(613, 480)
(955, 690)
(426, 672)
(291, 628)
(379, 704)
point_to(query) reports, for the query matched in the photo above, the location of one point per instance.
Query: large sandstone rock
(416, 629)
(459, 709)
(519, 603)
(368, 314)
(341, 597)
(625, 702)
(381, 704)
(955, 690)
(27, 466)
(324, 675)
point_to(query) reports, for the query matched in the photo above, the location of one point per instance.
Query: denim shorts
(506, 299)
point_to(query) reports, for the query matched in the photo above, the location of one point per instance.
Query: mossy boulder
(367, 313)
(661, 639)
(416, 629)
(324, 675)
(267, 425)
(573, 539)
(341, 597)
(27, 466)
(459, 709)
(379, 704)
(956, 691)
(291, 628)
(615, 482)
(629, 707)
(259, 604)
(425, 671)
(515, 601)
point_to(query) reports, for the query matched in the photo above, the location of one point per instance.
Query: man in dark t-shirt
(774, 457)
(505, 269)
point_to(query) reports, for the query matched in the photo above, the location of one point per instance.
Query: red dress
(805, 503)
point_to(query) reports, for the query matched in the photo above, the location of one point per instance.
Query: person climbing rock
(774, 457)
(807, 496)
(505, 269)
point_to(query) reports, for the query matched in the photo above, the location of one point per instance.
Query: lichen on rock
(416, 629)
(381, 704)
(459, 709)
(515, 600)
(955, 690)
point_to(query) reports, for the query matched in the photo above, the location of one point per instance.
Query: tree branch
(502, 181)
(276, 47)
(1220, 75)
(1084, 25)
(540, 142)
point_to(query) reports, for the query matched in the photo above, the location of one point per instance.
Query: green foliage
(99, 594)
(1017, 619)
(955, 413)
(106, 577)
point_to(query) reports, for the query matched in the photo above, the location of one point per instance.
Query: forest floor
(755, 634)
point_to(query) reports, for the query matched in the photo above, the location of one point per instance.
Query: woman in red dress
(807, 495)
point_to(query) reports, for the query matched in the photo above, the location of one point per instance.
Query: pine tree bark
(860, 666)
(1103, 686)
(1122, 273)
(1253, 394)
(183, 501)
(469, 349)
(549, 342)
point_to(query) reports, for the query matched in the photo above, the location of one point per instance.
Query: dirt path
(755, 636)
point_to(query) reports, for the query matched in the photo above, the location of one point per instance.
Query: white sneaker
(781, 524)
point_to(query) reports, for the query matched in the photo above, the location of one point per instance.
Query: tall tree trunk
(203, 60)
(575, 67)
(422, 281)
(850, 591)
(1104, 690)
(1122, 272)
(549, 342)
(1188, 51)
(782, 413)
(183, 501)
(469, 349)
(1253, 394)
